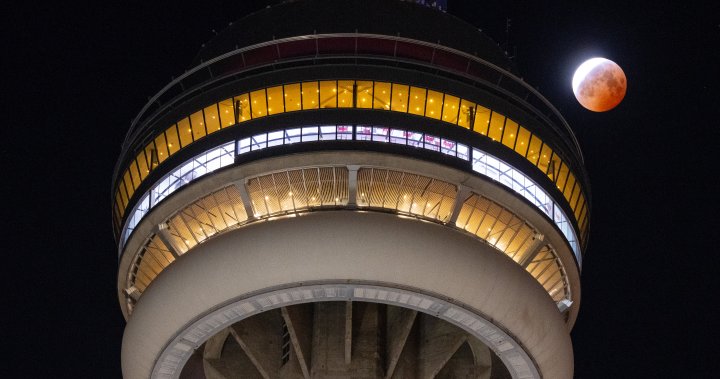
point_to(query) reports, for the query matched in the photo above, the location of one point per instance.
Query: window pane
(434, 104)
(534, 149)
(151, 155)
(258, 103)
(482, 119)
(142, 164)
(399, 98)
(364, 94)
(129, 187)
(562, 176)
(292, 97)
(345, 93)
(119, 201)
(569, 186)
(382, 95)
(227, 112)
(310, 94)
(417, 100)
(545, 155)
(328, 94)
(575, 195)
(554, 167)
(579, 207)
(212, 121)
(173, 142)
(123, 194)
(497, 123)
(185, 132)
(275, 100)
(509, 135)
(161, 145)
(467, 114)
(450, 111)
(198, 125)
(135, 174)
(523, 141)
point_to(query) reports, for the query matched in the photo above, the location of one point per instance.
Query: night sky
(76, 74)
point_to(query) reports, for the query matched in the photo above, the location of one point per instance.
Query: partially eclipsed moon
(599, 84)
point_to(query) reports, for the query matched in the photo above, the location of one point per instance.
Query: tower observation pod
(341, 189)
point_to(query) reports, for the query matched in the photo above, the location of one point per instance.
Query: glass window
(579, 207)
(123, 194)
(292, 97)
(185, 132)
(497, 124)
(310, 95)
(198, 125)
(417, 101)
(173, 142)
(534, 149)
(467, 114)
(523, 140)
(227, 113)
(328, 94)
(135, 174)
(451, 107)
(382, 95)
(482, 120)
(258, 103)
(544, 160)
(142, 165)
(399, 97)
(151, 155)
(569, 186)
(275, 100)
(161, 145)
(574, 196)
(119, 201)
(212, 121)
(345, 93)
(510, 133)
(433, 107)
(562, 175)
(129, 187)
(364, 94)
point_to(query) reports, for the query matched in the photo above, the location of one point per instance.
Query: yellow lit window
(227, 113)
(135, 174)
(242, 108)
(173, 142)
(433, 107)
(275, 100)
(583, 220)
(119, 211)
(119, 201)
(497, 123)
(399, 102)
(185, 132)
(467, 114)
(212, 121)
(562, 173)
(575, 195)
(345, 93)
(534, 149)
(382, 96)
(198, 125)
(510, 133)
(364, 94)
(544, 160)
(554, 167)
(569, 186)
(142, 165)
(129, 187)
(482, 120)
(258, 103)
(162, 152)
(451, 108)
(123, 195)
(310, 95)
(579, 207)
(292, 97)
(328, 94)
(523, 141)
(417, 101)
(151, 155)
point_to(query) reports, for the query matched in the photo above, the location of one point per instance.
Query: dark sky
(76, 74)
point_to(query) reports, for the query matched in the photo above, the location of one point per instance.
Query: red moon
(599, 84)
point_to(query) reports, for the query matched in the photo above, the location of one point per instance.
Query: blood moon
(599, 84)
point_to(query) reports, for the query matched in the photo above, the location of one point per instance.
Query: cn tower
(349, 189)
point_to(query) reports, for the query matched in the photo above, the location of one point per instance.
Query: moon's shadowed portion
(602, 88)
